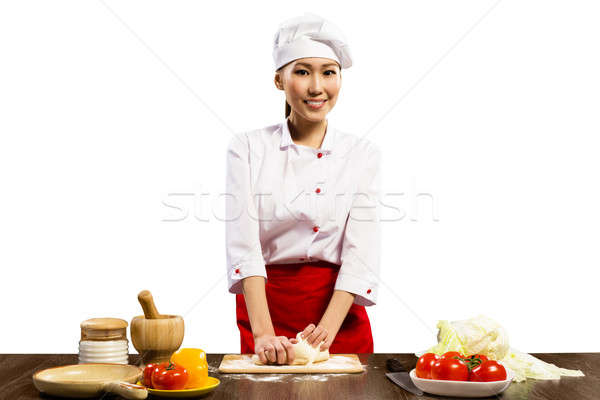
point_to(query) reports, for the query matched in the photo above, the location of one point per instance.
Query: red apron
(298, 295)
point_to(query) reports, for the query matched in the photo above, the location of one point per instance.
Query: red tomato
(423, 368)
(169, 376)
(450, 369)
(148, 374)
(450, 354)
(488, 371)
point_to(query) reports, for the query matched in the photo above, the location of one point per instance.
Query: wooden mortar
(155, 336)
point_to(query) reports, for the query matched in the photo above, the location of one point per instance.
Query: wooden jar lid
(104, 329)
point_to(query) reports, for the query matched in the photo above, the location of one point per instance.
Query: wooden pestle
(147, 302)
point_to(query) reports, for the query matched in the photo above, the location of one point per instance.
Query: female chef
(302, 229)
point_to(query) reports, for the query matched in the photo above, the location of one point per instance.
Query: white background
(486, 111)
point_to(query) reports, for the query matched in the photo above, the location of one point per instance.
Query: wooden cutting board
(337, 363)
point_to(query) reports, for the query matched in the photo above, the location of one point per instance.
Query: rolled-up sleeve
(359, 272)
(243, 248)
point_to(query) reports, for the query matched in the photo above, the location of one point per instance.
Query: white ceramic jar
(104, 340)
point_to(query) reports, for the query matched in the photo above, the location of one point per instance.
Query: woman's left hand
(315, 334)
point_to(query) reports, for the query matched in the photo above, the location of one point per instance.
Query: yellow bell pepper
(194, 360)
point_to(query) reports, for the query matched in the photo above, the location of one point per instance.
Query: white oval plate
(462, 388)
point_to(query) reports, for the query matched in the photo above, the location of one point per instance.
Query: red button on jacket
(318, 190)
(369, 291)
(237, 270)
(316, 229)
(319, 155)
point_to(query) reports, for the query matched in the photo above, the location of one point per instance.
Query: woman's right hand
(271, 348)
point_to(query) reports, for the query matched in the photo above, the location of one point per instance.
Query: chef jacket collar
(328, 140)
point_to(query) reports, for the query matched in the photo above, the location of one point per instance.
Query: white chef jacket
(289, 203)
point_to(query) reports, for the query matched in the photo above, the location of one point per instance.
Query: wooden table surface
(16, 382)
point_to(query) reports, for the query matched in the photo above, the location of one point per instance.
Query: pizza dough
(304, 353)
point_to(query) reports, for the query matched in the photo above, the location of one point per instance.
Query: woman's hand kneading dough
(274, 349)
(314, 335)
(296, 351)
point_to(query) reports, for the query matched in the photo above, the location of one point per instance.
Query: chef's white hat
(310, 36)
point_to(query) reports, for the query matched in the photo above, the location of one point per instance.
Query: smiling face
(311, 86)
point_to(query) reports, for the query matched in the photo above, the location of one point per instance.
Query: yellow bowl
(211, 384)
